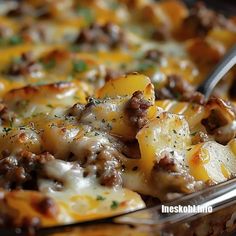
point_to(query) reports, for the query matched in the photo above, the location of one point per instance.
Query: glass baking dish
(152, 221)
(220, 220)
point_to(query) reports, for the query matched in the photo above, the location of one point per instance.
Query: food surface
(99, 110)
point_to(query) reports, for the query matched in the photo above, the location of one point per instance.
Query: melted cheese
(167, 132)
(84, 198)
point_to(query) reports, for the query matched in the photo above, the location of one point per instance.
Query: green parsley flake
(15, 40)
(94, 101)
(114, 5)
(79, 66)
(114, 205)
(50, 105)
(100, 198)
(145, 66)
(6, 129)
(87, 14)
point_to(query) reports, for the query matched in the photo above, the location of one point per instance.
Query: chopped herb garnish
(15, 40)
(174, 131)
(100, 198)
(50, 105)
(114, 205)
(79, 66)
(6, 129)
(145, 66)
(178, 96)
(94, 101)
(114, 5)
(87, 14)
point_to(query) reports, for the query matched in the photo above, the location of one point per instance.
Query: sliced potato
(127, 85)
(167, 132)
(78, 200)
(212, 161)
(22, 205)
(17, 139)
(110, 115)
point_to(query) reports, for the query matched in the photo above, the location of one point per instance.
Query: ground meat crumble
(25, 65)
(137, 109)
(21, 170)
(109, 35)
(221, 121)
(180, 89)
(172, 179)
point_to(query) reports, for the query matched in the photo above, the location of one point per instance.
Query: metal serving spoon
(218, 73)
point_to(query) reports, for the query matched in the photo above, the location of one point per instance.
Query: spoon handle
(220, 70)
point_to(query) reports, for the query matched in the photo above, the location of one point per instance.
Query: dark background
(227, 7)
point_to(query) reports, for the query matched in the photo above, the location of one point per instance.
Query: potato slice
(18, 139)
(77, 200)
(212, 161)
(22, 205)
(226, 37)
(127, 85)
(167, 132)
(110, 115)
